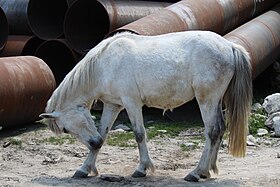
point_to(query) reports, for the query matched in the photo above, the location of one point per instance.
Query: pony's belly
(166, 103)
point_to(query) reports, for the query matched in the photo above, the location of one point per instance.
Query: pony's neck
(77, 89)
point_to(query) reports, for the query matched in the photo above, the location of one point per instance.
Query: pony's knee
(139, 137)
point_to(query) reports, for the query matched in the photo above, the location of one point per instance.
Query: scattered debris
(6, 144)
(51, 159)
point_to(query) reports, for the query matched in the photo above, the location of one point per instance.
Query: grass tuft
(59, 140)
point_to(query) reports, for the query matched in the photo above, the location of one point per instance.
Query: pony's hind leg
(221, 131)
(109, 115)
(214, 129)
(134, 111)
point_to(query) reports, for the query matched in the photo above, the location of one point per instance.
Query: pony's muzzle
(96, 142)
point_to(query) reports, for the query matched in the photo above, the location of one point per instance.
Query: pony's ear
(49, 115)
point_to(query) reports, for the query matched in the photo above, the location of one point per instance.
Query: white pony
(127, 71)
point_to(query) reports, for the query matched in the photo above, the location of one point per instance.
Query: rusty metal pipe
(26, 83)
(21, 45)
(4, 29)
(87, 22)
(43, 18)
(59, 57)
(261, 38)
(220, 16)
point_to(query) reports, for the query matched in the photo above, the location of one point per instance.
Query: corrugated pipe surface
(43, 18)
(26, 83)
(87, 22)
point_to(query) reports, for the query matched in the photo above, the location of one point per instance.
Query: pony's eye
(65, 131)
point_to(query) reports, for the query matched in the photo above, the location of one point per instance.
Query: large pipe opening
(46, 17)
(86, 24)
(59, 57)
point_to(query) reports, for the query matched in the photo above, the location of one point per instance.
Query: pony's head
(78, 122)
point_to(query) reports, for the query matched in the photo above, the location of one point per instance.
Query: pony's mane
(77, 80)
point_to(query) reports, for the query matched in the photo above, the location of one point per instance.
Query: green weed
(158, 129)
(123, 139)
(165, 129)
(16, 142)
(59, 140)
(186, 148)
(256, 121)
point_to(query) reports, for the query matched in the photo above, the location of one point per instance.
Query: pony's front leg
(88, 166)
(134, 111)
(109, 115)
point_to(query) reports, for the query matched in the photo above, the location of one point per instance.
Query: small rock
(262, 132)
(256, 107)
(251, 140)
(224, 143)
(276, 126)
(150, 122)
(162, 131)
(190, 145)
(1, 128)
(267, 142)
(117, 131)
(112, 178)
(123, 127)
(271, 103)
(272, 119)
(278, 155)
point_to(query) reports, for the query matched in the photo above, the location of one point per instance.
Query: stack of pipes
(39, 28)
(61, 32)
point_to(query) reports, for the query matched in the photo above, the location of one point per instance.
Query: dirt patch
(29, 158)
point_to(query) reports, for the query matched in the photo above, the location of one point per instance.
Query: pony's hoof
(79, 174)
(191, 178)
(138, 174)
(205, 176)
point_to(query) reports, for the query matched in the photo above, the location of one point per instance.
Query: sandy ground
(39, 163)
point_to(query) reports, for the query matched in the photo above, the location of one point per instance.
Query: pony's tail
(238, 100)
